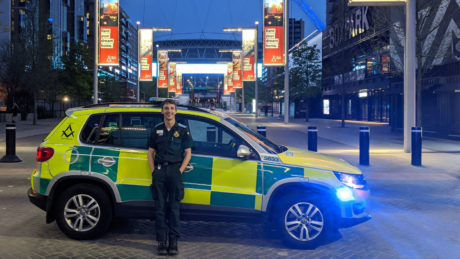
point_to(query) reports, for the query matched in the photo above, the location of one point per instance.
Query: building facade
(363, 57)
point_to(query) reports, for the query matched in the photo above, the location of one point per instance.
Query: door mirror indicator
(243, 152)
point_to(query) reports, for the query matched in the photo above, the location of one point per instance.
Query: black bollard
(313, 139)
(10, 156)
(211, 134)
(416, 145)
(364, 145)
(262, 131)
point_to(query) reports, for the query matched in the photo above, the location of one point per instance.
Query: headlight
(355, 181)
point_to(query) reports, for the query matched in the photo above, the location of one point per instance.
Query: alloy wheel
(82, 212)
(304, 221)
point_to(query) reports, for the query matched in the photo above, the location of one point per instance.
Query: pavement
(415, 209)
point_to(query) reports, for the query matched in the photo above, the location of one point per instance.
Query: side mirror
(243, 152)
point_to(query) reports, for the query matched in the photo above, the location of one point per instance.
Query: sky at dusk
(194, 19)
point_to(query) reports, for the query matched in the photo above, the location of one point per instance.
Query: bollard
(416, 145)
(364, 145)
(211, 134)
(313, 139)
(262, 131)
(10, 156)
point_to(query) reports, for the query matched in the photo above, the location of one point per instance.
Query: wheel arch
(67, 179)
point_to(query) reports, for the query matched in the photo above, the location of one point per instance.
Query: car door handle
(188, 168)
(107, 161)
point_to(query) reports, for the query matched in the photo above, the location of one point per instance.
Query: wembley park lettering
(352, 25)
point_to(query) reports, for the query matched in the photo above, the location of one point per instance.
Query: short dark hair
(168, 101)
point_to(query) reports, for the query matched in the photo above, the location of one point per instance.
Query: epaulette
(182, 125)
(158, 124)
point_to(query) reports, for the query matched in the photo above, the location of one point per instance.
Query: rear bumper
(37, 199)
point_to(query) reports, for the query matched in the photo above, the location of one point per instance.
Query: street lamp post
(255, 64)
(286, 68)
(138, 63)
(96, 48)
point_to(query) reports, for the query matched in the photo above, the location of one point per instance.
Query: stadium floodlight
(230, 50)
(161, 28)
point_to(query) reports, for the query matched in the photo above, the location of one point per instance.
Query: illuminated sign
(202, 68)
(146, 54)
(259, 70)
(326, 107)
(273, 33)
(362, 94)
(236, 58)
(163, 69)
(108, 33)
(172, 77)
(249, 51)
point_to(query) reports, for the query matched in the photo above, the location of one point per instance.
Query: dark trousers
(167, 191)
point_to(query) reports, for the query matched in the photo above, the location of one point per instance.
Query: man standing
(170, 140)
(15, 112)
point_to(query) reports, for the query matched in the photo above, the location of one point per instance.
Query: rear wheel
(83, 212)
(304, 223)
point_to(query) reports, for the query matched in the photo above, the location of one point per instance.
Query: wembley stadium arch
(202, 71)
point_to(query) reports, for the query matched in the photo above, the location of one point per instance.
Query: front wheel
(83, 212)
(304, 224)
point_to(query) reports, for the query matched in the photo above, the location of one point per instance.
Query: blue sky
(189, 18)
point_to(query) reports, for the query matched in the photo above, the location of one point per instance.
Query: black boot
(161, 250)
(172, 248)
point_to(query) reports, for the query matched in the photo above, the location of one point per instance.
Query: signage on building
(178, 82)
(236, 58)
(172, 77)
(354, 24)
(108, 33)
(226, 84)
(249, 50)
(162, 79)
(273, 33)
(146, 54)
(230, 78)
(376, 2)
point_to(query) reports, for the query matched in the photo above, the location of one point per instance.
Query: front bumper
(356, 208)
(37, 199)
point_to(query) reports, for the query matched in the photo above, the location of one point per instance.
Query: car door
(219, 178)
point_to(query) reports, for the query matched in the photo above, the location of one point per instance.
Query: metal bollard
(10, 156)
(364, 145)
(416, 145)
(211, 134)
(262, 130)
(313, 139)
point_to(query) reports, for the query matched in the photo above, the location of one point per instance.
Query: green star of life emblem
(68, 132)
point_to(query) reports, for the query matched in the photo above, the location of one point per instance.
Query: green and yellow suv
(93, 167)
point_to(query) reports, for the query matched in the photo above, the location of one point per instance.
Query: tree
(148, 89)
(12, 69)
(110, 89)
(76, 75)
(38, 45)
(305, 73)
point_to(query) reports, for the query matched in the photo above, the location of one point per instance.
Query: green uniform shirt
(170, 145)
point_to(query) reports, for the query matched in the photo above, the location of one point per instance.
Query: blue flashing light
(345, 194)
(50, 19)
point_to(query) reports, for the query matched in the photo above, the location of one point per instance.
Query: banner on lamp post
(178, 82)
(249, 50)
(274, 33)
(230, 78)
(236, 58)
(108, 33)
(162, 78)
(146, 54)
(172, 77)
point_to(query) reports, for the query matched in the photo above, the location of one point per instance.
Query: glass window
(89, 133)
(136, 128)
(211, 138)
(110, 130)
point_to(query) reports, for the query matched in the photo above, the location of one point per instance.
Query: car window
(110, 130)
(136, 128)
(211, 138)
(89, 132)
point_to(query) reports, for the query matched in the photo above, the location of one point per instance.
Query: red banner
(108, 34)
(230, 78)
(236, 57)
(249, 51)
(172, 77)
(178, 82)
(145, 54)
(162, 69)
(274, 49)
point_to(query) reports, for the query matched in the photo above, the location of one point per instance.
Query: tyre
(304, 223)
(83, 212)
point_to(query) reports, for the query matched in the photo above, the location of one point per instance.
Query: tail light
(44, 154)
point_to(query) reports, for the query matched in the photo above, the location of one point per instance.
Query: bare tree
(12, 69)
